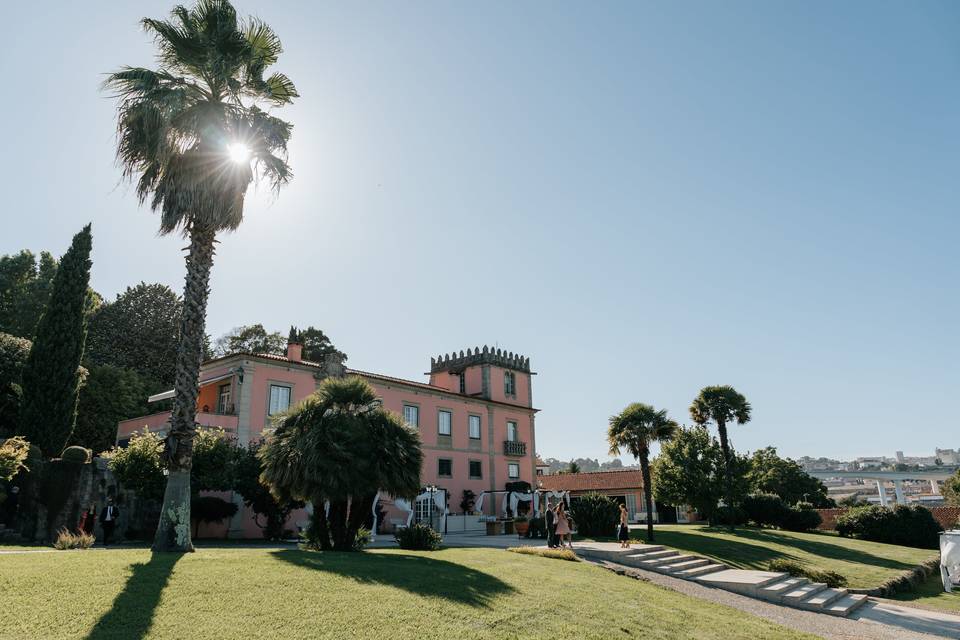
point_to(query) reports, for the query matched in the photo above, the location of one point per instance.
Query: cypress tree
(51, 377)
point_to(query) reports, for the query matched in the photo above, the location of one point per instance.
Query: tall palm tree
(722, 404)
(635, 429)
(340, 446)
(193, 135)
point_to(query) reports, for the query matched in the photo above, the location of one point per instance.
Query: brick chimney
(294, 346)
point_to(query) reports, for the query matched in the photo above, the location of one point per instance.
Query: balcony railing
(514, 448)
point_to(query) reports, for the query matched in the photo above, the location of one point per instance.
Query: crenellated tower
(489, 373)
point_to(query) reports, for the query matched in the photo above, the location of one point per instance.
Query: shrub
(13, 453)
(555, 554)
(911, 526)
(210, 509)
(728, 516)
(77, 455)
(595, 515)
(67, 539)
(362, 539)
(418, 537)
(830, 578)
(800, 518)
(765, 509)
(138, 465)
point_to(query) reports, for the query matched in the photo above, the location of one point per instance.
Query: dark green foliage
(77, 455)
(14, 352)
(24, 289)
(596, 515)
(951, 489)
(362, 539)
(59, 479)
(801, 517)
(519, 486)
(769, 473)
(250, 339)
(830, 578)
(468, 501)
(418, 537)
(109, 395)
(728, 516)
(317, 346)
(139, 332)
(51, 377)
(214, 461)
(209, 509)
(765, 509)
(911, 526)
(270, 513)
(340, 444)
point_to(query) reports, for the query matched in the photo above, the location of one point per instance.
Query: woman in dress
(623, 531)
(563, 526)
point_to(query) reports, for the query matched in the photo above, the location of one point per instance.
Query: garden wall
(946, 516)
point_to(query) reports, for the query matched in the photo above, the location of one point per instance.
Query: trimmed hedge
(907, 525)
(418, 537)
(765, 509)
(595, 515)
(77, 455)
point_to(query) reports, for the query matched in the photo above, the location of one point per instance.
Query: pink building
(475, 416)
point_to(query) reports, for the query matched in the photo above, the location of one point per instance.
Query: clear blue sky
(645, 198)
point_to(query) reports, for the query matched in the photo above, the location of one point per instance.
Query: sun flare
(238, 152)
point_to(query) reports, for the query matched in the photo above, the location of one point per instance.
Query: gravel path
(858, 627)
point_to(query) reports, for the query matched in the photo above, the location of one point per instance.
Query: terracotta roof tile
(592, 481)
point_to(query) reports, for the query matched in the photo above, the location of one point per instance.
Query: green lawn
(454, 593)
(931, 595)
(865, 564)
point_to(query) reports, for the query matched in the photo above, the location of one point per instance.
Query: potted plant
(508, 526)
(521, 524)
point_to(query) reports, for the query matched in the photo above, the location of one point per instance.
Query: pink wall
(158, 422)
(301, 381)
(522, 386)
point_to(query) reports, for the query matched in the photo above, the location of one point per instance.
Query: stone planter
(521, 528)
(493, 528)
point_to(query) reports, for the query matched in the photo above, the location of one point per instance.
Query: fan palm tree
(722, 404)
(635, 429)
(193, 135)
(340, 446)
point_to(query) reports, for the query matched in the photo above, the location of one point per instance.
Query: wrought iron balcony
(514, 448)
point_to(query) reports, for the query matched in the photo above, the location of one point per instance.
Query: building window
(463, 383)
(474, 424)
(444, 422)
(476, 469)
(445, 468)
(511, 431)
(509, 383)
(411, 415)
(513, 470)
(223, 399)
(279, 399)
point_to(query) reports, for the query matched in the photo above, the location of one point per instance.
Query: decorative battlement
(454, 361)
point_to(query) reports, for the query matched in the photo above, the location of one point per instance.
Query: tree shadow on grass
(132, 611)
(417, 574)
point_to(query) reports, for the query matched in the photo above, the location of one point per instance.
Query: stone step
(681, 566)
(645, 548)
(650, 555)
(822, 599)
(802, 593)
(775, 591)
(657, 562)
(744, 581)
(700, 571)
(846, 605)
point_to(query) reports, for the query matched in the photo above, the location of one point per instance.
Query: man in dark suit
(108, 520)
(551, 521)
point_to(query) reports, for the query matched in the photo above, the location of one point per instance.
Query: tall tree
(341, 446)
(138, 331)
(635, 429)
(193, 135)
(109, 394)
(14, 352)
(25, 286)
(317, 346)
(250, 339)
(722, 404)
(51, 378)
(769, 473)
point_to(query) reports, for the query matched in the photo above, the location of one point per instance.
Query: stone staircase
(776, 587)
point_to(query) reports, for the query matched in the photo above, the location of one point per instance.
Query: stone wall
(946, 516)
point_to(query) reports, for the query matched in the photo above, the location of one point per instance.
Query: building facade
(475, 416)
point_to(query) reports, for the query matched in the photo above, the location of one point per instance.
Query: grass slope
(454, 593)
(865, 564)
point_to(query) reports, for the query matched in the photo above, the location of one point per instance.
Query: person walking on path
(623, 530)
(563, 526)
(108, 520)
(550, 519)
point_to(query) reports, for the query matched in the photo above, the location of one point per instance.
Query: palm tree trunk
(727, 472)
(647, 491)
(173, 532)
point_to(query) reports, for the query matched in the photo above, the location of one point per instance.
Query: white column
(935, 487)
(882, 492)
(898, 489)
